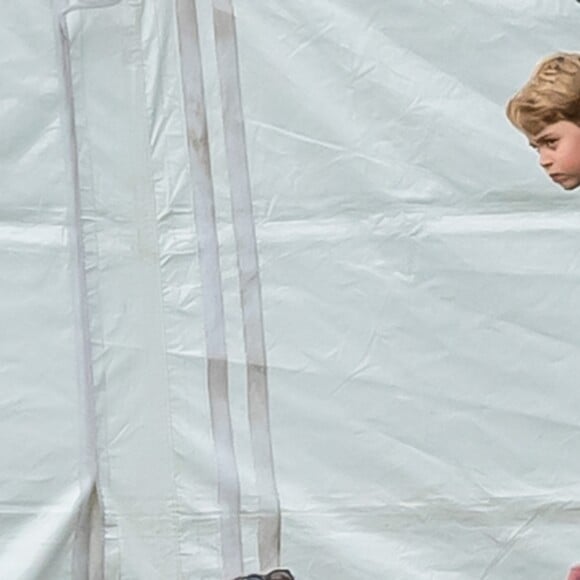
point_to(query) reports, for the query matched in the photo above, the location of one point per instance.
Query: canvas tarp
(419, 284)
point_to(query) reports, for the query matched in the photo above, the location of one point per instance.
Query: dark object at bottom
(273, 575)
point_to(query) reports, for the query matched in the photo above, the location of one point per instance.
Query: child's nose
(545, 159)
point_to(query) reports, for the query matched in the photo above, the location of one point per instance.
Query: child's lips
(558, 177)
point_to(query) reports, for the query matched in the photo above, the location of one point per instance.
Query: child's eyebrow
(541, 140)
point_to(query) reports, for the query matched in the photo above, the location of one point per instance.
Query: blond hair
(552, 94)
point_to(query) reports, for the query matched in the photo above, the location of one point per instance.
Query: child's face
(558, 146)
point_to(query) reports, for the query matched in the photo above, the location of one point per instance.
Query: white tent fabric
(419, 291)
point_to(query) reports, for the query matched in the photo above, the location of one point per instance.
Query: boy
(547, 111)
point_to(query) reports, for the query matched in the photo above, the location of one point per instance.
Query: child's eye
(551, 143)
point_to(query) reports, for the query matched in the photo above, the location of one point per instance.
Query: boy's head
(547, 111)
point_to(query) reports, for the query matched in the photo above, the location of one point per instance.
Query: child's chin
(570, 185)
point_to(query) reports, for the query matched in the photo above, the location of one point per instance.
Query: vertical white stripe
(87, 563)
(217, 371)
(269, 530)
(88, 459)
